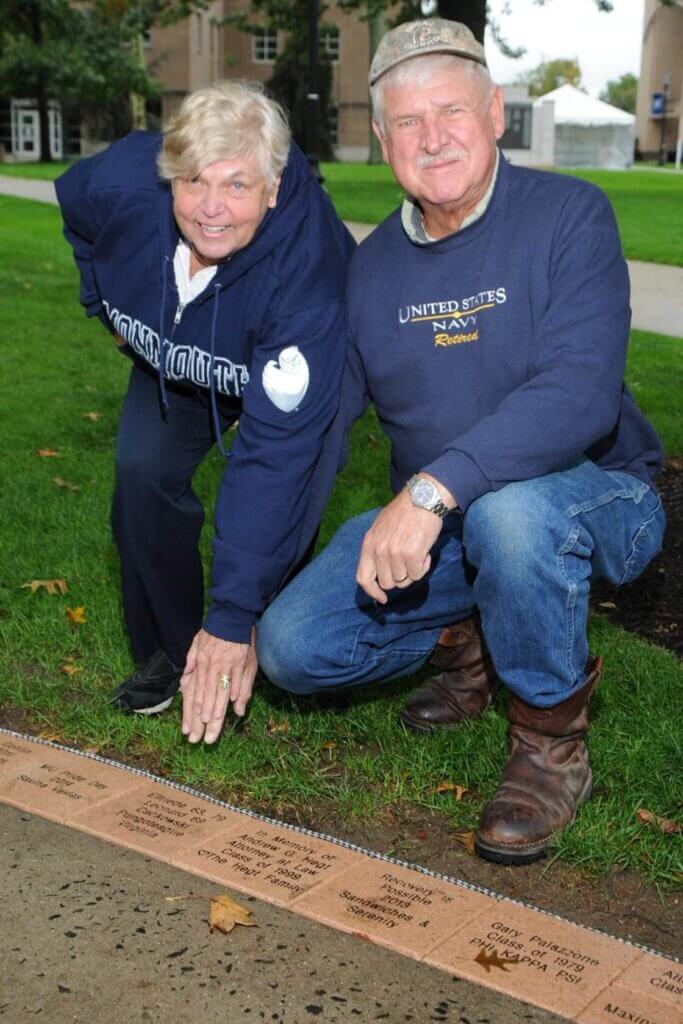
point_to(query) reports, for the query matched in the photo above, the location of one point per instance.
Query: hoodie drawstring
(212, 376)
(162, 348)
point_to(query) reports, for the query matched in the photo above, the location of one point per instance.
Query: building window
(330, 42)
(264, 46)
(517, 126)
(333, 125)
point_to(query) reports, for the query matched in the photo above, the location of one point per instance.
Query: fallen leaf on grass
(489, 960)
(61, 482)
(47, 453)
(92, 416)
(455, 788)
(226, 912)
(466, 839)
(329, 745)
(76, 616)
(51, 586)
(70, 669)
(607, 604)
(666, 825)
(275, 728)
(373, 442)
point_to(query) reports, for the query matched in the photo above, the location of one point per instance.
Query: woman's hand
(205, 699)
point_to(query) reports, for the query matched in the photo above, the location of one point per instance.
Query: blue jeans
(523, 555)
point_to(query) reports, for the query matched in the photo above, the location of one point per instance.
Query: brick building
(197, 51)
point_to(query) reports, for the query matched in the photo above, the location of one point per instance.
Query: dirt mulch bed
(652, 605)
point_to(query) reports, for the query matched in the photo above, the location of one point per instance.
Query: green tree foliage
(622, 93)
(289, 83)
(57, 50)
(550, 75)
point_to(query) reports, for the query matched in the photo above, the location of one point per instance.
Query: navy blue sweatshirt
(273, 315)
(497, 354)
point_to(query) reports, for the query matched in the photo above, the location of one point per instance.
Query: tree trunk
(470, 12)
(44, 119)
(138, 107)
(41, 92)
(377, 27)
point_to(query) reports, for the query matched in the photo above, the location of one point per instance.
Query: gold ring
(403, 578)
(225, 681)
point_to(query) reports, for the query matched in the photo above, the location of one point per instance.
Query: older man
(489, 322)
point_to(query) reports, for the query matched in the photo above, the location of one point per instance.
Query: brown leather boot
(464, 690)
(546, 777)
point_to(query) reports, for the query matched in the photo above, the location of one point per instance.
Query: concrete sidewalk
(656, 289)
(90, 938)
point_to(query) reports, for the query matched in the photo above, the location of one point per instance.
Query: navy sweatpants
(157, 517)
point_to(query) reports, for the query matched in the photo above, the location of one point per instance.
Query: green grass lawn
(58, 367)
(44, 172)
(648, 206)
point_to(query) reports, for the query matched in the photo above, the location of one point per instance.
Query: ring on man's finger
(403, 578)
(225, 681)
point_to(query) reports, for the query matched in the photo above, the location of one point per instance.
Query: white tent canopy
(588, 132)
(574, 107)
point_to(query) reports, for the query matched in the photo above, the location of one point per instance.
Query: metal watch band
(438, 508)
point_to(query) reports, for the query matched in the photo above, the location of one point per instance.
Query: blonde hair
(420, 69)
(223, 121)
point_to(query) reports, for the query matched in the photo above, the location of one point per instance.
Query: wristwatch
(424, 494)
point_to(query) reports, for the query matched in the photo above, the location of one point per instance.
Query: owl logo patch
(286, 381)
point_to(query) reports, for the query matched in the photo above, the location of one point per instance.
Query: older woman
(218, 263)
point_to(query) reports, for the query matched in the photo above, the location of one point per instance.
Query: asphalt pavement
(656, 289)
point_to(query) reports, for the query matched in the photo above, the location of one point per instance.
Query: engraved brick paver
(157, 820)
(660, 978)
(265, 860)
(551, 963)
(16, 752)
(616, 1005)
(59, 785)
(392, 906)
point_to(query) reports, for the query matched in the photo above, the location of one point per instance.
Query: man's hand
(395, 550)
(205, 700)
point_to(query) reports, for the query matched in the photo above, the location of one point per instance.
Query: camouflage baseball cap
(416, 38)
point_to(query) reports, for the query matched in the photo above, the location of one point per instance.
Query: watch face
(424, 492)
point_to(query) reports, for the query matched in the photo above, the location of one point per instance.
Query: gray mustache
(445, 154)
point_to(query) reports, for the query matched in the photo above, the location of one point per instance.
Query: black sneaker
(151, 689)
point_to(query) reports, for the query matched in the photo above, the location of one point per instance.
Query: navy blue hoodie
(282, 295)
(497, 354)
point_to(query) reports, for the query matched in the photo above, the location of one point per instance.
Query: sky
(606, 45)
